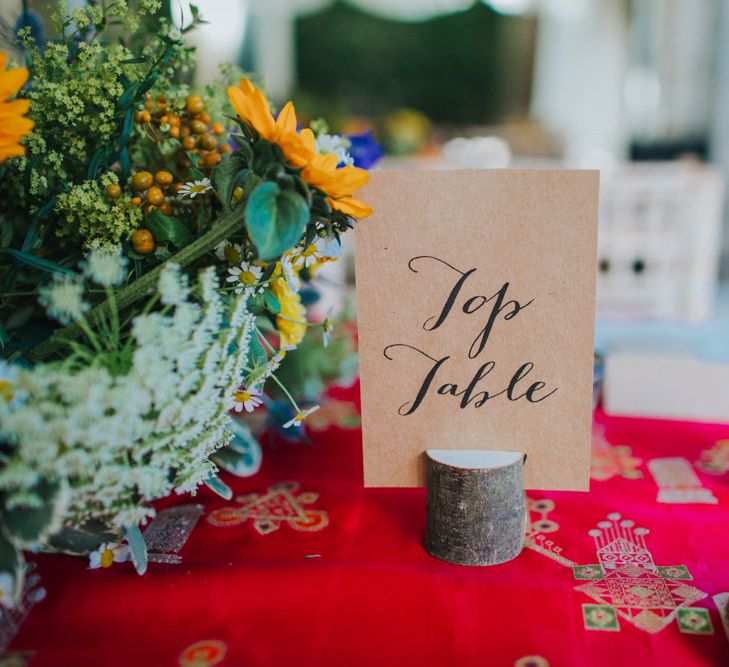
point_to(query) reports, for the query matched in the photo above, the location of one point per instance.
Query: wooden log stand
(475, 507)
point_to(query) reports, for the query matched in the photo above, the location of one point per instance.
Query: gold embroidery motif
(205, 653)
(678, 483)
(721, 600)
(540, 524)
(531, 661)
(715, 461)
(628, 581)
(608, 461)
(280, 504)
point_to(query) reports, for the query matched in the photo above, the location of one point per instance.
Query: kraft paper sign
(476, 305)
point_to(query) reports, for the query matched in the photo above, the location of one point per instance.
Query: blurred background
(636, 88)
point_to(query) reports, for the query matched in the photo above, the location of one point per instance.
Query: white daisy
(327, 326)
(107, 554)
(298, 419)
(229, 252)
(306, 257)
(63, 299)
(289, 272)
(247, 399)
(246, 275)
(7, 584)
(193, 188)
(105, 266)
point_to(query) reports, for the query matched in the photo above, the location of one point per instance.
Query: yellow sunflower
(291, 319)
(319, 169)
(13, 124)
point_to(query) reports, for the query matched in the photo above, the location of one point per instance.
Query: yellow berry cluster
(152, 190)
(194, 127)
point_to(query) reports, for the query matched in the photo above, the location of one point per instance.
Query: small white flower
(306, 257)
(298, 419)
(105, 266)
(229, 252)
(281, 354)
(8, 383)
(247, 399)
(289, 272)
(7, 584)
(63, 299)
(107, 554)
(172, 285)
(193, 188)
(337, 144)
(246, 275)
(327, 326)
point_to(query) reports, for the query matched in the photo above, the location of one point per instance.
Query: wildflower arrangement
(154, 245)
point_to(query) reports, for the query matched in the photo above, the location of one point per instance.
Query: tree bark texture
(475, 515)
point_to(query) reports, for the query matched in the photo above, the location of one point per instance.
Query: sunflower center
(247, 278)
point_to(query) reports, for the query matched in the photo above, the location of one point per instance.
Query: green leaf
(11, 561)
(242, 457)
(82, 540)
(271, 302)
(37, 262)
(251, 182)
(256, 352)
(264, 324)
(137, 547)
(27, 526)
(217, 485)
(276, 220)
(225, 177)
(167, 229)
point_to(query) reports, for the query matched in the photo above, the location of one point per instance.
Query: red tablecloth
(306, 567)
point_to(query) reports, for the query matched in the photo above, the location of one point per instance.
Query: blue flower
(365, 150)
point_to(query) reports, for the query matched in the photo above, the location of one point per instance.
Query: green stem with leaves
(144, 286)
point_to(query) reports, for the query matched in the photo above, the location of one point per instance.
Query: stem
(143, 286)
(286, 393)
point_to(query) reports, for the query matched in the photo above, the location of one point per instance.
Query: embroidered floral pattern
(280, 504)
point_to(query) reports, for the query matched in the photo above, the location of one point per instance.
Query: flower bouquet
(154, 243)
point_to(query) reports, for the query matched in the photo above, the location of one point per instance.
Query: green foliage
(81, 540)
(307, 370)
(90, 219)
(227, 175)
(276, 219)
(218, 486)
(137, 548)
(168, 229)
(31, 515)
